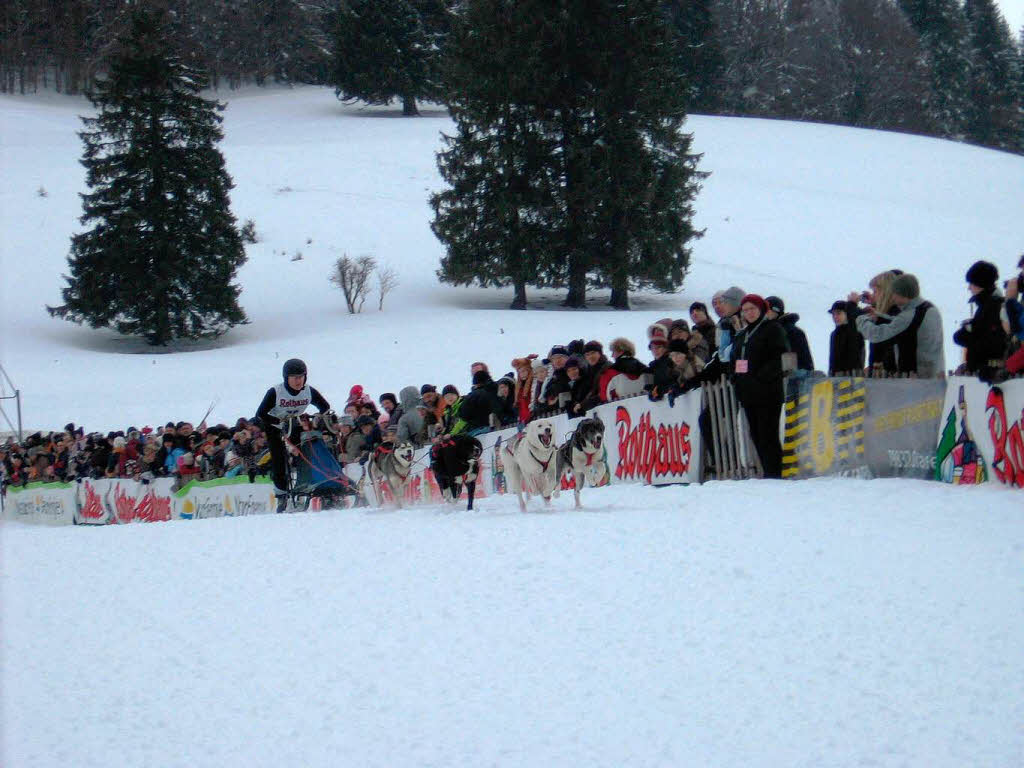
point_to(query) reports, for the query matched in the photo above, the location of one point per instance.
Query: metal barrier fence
(728, 449)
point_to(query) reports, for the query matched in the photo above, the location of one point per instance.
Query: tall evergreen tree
(700, 57)
(942, 27)
(495, 215)
(387, 49)
(579, 178)
(994, 117)
(164, 247)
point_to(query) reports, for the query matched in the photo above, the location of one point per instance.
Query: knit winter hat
(593, 346)
(699, 305)
(734, 295)
(449, 389)
(480, 378)
(757, 301)
(679, 324)
(983, 274)
(575, 347)
(573, 362)
(427, 388)
(364, 421)
(775, 304)
(558, 349)
(388, 396)
(355, 393)
(837, 306)
(906, 285)
(678, 345)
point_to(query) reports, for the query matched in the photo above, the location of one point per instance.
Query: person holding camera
(916, 332)
(983, 336)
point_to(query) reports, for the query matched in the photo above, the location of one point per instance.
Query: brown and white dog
(530, 463)
(583, 454)
(391, 467)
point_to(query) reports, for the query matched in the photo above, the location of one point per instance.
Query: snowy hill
(766, 623)
(805, 211)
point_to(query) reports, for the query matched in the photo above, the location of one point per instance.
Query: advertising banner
(824, 430)
(224, 497)
(41, 503)
(901, 421)
(120, 500)
(652, 442)
(980, 433)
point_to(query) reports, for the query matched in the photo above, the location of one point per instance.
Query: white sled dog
(530, 463)
(391, 468)
(583, 455)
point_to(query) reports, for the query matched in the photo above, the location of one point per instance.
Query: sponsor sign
(981, 433)
(41, 503)
(224, 497)
(901, 420)
(823, 431)
(652, 442)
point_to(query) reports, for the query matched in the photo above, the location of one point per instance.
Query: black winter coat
(797, 342)
(984, 336)
(665, 375)
(478, 406)
(761, 345)
(846, 350)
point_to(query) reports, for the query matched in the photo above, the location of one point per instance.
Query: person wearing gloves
(283, 401)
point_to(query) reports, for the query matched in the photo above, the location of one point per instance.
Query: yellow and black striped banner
(824, 432)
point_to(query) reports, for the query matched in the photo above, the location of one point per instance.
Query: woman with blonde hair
(881, 355)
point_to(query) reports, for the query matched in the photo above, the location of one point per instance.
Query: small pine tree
(164, 247)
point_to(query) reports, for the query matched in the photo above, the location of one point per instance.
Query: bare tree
(387, 279)
(352, 276)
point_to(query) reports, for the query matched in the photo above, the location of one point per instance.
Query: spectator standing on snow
(703, 325)
(983, 336)
(794, 335)
(757, 374)
(916, 331)
(846, 345)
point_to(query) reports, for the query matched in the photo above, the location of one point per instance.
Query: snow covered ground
(832, 622)
(817, 623)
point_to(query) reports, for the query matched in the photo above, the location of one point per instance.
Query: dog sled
(317, 479)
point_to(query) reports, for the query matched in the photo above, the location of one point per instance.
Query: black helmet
(294, 367)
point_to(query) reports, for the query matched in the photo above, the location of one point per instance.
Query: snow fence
(957, 430)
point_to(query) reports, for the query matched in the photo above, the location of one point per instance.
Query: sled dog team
(534, 463)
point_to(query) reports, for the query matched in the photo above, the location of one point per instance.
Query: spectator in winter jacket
(389, 405)
(539, 369)
(695, 342)
(367, 426)
(577, 386)
(434, 403)
(506, 396)
(351, 441)
(757, 375)
(556, 380)
(703, 325)
(916, 330)
(478, 407)
(686, 365)
(983, 335)
(410, 425)
(661, 367)
(593, 352)
(624, 363)
(727, 307)
(523, 390)
(881, 354)
(846, 346)
(452, 407)
(1013, 322)
(797, 338)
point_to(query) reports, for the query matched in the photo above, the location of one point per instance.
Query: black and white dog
(455, 461)
(583, 454)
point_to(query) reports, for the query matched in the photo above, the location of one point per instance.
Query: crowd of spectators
(887, 330)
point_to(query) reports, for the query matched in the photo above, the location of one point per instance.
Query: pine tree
(495, 216)
(164, 247)
(387, 49)
(994, 117)
(699, 56)
(579, 178)
(942, 27)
